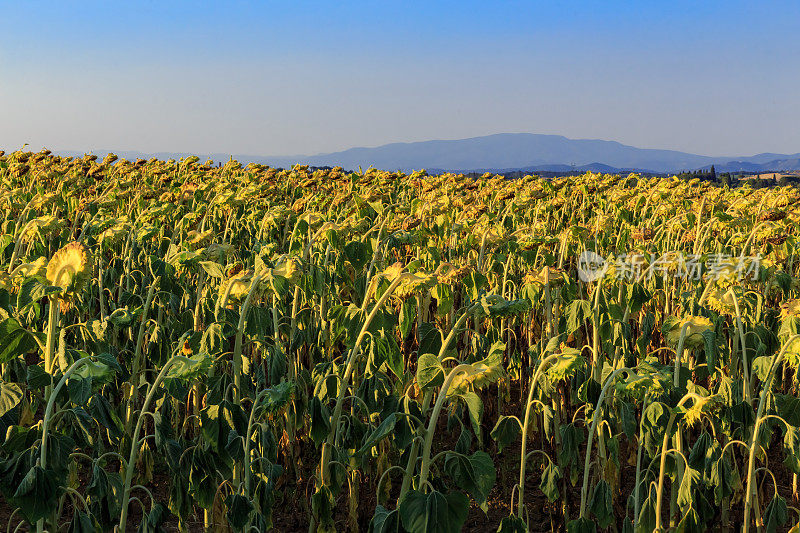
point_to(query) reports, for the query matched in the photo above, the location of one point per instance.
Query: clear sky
(278, 78)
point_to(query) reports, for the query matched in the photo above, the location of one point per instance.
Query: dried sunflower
(696, 326)
(70, 268)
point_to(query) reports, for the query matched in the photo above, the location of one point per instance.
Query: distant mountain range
(506, 152)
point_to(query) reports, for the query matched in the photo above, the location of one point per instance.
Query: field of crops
(189, 346)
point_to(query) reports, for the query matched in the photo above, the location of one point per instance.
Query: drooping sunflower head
(702, 406)
(724, 274)
(392, 272)
(417, 282)
(196, 239)
(217, 251)
(29, 270)
(450, 274)
(695, 327)
(239, 284)
(790, 308)
(288, 267)
(70, 267)
(551, 275)
(5, 282)
(721, 301)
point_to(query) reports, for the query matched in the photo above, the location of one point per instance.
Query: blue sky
(274, 78)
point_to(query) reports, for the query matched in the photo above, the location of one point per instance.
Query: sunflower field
(187, 346)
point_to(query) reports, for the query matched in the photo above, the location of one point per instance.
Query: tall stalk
(48, 414)
(592, 431)
(664, 451)
(241, 365)
(349, 367)
(437, 408)
(523, 455)
(426, 400)
(137, 356)
(749, 493)
(135, 444)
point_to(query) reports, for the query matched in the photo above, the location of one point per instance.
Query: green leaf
(647, 514)
(627, 525)
(105, 415)
(690, 523)
(100, 372)
(14, 340)
(475, 409)
(475, 282)
(189, 368)
(10, 396)
(637, 297)
(322, 503)
(382, 431)
(19, 438)
(408, 313)
(157, 515)
(495, 306)
(430, 338)
(566, 365)
(480, 373)
(357, 253)
(788, 408)
(82, 523)
(761, 366)
(691, 478)
(601, 504)
(581, 525)
(571, 438)
(215, 270)
(444, 298)
(212, 341)
(495, 357)
(505, 431)
(385, 521)
(433, 512)
(775, 515)
(627, 419)
(80, 389)
(723, 478)
(320, 421)
(239, 509)
(699, 453)
(654, 419)
(430, 372)
(577, 312)
(37, 494)
(111, 362)
(791, 447)
(475, 474)
(512, 524)
(549, 483)
(121, 317)
(710, 348)
(394, 359)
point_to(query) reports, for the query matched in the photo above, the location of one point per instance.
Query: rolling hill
(513, 151)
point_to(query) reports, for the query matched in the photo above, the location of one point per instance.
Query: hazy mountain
(560, 169)
(777, 165)
(507, 151)
(513, 151)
